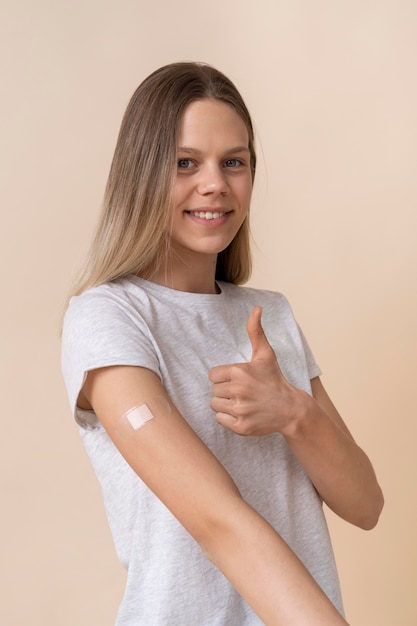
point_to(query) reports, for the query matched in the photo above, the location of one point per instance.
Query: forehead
(212, 121)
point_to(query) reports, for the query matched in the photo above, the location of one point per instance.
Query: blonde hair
(132, 236)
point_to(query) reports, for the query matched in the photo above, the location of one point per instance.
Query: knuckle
(236, 370)
(241, 409)
(243, 428)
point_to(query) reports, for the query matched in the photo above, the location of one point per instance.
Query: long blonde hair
(132, 236)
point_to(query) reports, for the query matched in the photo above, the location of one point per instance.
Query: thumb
(260, 345)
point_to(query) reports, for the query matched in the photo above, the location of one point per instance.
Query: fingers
(222, 405)
(244, 394)
(227, 420)
(219, 374)
(261, 349)
(260, 345)
(221, 390)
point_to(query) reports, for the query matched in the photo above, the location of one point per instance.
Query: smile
(207, 215)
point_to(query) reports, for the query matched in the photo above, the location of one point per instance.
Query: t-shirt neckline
(175, 293)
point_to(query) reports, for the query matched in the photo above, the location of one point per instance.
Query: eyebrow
(228, 151)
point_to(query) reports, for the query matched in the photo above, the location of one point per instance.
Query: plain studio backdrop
(333, 92)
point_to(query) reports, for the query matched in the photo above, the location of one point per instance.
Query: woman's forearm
(267, 573)
(337, 466)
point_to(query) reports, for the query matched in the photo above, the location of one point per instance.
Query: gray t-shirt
(180, 336)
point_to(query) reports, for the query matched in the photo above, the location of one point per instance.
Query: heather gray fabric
(181, 336)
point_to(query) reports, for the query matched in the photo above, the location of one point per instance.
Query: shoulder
(278, 318)
(273, 302)
(100, 306)
(106, 318)
(104, 326)
(112, 296)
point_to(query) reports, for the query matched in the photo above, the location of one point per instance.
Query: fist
(254, 398)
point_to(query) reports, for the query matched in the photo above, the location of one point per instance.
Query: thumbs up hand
(261, 350)
(254, 398)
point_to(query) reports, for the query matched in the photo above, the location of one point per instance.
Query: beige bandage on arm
(138, 415)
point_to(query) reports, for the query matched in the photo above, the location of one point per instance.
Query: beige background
(332, 88)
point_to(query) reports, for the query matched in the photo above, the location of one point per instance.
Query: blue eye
(233, 162)
(184, 164)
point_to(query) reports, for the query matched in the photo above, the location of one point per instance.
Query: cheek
(245, 192)
(181, 191)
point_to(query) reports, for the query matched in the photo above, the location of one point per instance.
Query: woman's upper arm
(165, 452)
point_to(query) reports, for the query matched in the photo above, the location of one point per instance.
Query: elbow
(217, 532)
(371, 518)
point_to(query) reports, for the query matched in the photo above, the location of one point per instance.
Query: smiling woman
(214, 458)
(212, 193)
(133, 233)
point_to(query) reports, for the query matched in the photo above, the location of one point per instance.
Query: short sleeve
(313, 369)
(301, 365)
(100, 331)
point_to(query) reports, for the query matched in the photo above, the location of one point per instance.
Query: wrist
(304, 412)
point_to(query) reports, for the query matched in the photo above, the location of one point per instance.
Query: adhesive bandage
(138, 415)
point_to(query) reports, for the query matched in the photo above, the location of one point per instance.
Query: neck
(195, 275)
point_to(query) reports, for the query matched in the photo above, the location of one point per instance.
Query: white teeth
(207, 215)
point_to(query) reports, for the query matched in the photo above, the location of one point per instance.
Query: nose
(212, 180)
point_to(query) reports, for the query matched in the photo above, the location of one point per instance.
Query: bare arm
(176, 465)
(255, 399)
(337, 466)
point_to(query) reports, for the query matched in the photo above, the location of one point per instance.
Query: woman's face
(214, 181)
